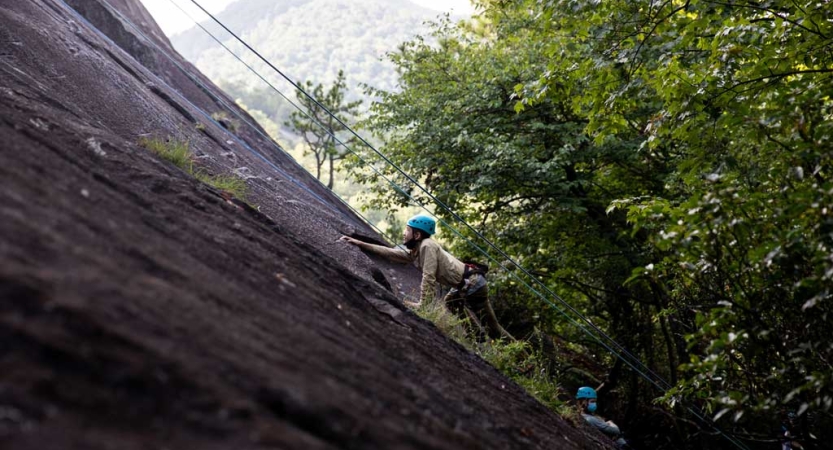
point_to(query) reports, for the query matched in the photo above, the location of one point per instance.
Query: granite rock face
(140, 308)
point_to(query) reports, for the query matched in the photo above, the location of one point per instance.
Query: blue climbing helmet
(586, 392)
(424, 223)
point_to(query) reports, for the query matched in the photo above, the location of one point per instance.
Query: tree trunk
(330, 184)
(318, 164)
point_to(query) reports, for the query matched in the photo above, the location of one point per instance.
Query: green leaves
(741, 96)
(663, 166)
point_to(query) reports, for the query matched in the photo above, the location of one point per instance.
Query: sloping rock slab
(142, 309)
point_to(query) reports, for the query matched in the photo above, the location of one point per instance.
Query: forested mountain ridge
(308, 39)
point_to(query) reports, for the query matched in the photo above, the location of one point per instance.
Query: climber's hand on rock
(411, 301)
(350, 240)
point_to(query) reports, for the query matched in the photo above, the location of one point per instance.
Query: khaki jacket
(437, 265)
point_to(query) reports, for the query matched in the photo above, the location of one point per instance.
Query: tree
(741, 242)
(321, 126)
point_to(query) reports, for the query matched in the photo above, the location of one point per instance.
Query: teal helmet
(586, 392)
(424, 223)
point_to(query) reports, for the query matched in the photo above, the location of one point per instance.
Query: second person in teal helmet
(586, 401)
(467, 281)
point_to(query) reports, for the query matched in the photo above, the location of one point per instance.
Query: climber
(469, 294)
(586, 402)
(789, 439)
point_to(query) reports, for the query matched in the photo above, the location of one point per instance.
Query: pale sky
(172, 21)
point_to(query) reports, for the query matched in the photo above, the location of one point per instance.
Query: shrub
(515, 359)
(525, 366)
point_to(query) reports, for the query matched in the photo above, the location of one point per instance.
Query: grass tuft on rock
(229, 183)
(179, 154)
(449, 324)
(175, 152)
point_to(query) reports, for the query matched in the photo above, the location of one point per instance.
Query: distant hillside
(308, 39)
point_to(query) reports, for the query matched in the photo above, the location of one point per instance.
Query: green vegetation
(179, 154)
(451, 325)
(664, 167)
(527, 367)
(517, 360)
(173, 151)
(229, 183)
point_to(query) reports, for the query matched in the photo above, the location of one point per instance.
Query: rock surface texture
(142, 309)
